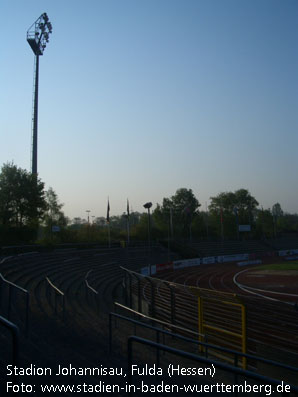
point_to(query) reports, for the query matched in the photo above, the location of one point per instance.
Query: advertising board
(232, 258)
(244, 228)
(288, 252)
(209, 259)
(145, 271)
(161, 267)
(250, 262)
(186, 263)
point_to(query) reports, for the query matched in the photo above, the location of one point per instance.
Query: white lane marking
(247, 289)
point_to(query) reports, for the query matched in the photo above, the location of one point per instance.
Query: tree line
(26, 207)
(29, 213)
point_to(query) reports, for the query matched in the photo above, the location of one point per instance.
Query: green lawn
(280, 266)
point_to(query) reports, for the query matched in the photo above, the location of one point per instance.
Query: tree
(277, 213)
(100, 221)
(54, 216)
(264, 224)
(288, 223)
(184, 201)
(233, 208)
(76, 221)
(181, 209)
(228, 201)
(22, 197)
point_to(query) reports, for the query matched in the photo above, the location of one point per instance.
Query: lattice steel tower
(37, 36)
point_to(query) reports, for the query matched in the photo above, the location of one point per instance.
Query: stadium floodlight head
(38, 34)
(147, 205)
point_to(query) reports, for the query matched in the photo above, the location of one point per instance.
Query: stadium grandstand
(89, 308)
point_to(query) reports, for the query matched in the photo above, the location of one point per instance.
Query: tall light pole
(88, 212)
(37, 37)
(148, 206)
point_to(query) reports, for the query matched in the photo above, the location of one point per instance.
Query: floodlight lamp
(147, 205)
(38, 34)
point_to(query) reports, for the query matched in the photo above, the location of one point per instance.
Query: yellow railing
(239, 316)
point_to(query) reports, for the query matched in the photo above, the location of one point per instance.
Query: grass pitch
(280, 266)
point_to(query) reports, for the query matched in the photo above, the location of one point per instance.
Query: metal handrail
(237, 371)
(89, 288)
(204, 344)
(55, 288)
(163, 323)
(13, 285)
(227, 298)
(135, 322)
(58, 292)
(14, 330)
(173, 284)
(88, 285)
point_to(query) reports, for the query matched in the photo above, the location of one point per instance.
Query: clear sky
(140, 98)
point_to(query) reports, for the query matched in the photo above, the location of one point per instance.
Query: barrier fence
(238, 372)
(59, 298)
(209, 302)
(205, 344)
(218, 315)
(12, 289)
(156, 329)
(14, 330)
(91, 293)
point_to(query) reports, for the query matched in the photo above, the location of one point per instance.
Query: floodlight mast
(37, 37)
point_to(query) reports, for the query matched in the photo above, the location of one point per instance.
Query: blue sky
(140, 98)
